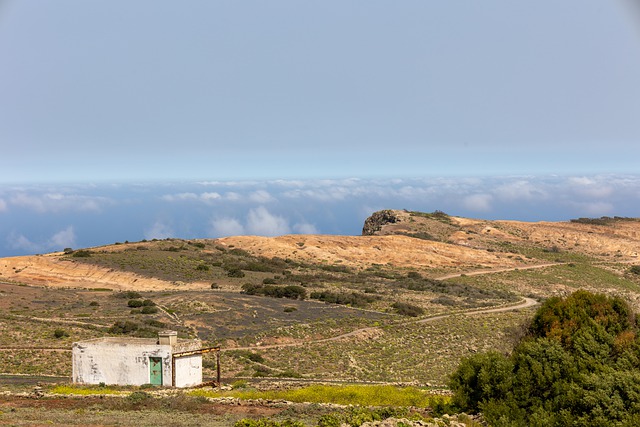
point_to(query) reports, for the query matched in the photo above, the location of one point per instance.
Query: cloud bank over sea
(44, 218)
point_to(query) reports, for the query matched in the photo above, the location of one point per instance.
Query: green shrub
(635, 269)
(138, 397)
(407, 309)
(135, 303)
(123, 327)
(60, 333)
(202, 267)
(155, 323)
(149, 310)
(266, 422)
(128, 295)
(353, 299)
(239, 384)
(414, 275)
(235, 272)
(254, 357)
(83, 253)
(94, 304)
(289, 291)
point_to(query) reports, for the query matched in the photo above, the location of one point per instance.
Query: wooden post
(218, 367)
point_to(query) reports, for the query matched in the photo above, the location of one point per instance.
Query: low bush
(353, 299)
(149, 310)
(246, 354)
(83, 253)
(123, 327)
(274, 291)
(60, 333)
(266, 422)
(414, 275)
(235, 272)
(407, 309)
(155, 323)
(135, 303)
(128, 295)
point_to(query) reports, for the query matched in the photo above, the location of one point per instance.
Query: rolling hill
(402, 302)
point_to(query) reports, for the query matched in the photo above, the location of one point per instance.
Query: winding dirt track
(498, 270)
(526, 302)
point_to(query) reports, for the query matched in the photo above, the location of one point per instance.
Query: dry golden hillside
(396, 239)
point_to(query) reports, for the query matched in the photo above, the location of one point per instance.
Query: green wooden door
(155, 373)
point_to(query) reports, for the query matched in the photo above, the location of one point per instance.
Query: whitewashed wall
(189, 370)
(120, 363)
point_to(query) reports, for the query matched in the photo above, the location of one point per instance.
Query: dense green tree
(578, 365)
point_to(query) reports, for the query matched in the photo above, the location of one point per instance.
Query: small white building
(135, 361)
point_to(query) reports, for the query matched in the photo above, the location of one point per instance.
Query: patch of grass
(84, 390)
(361, 395)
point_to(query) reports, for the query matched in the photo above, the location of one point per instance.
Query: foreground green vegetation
(578, 365)
(360, 395)
(317, 405)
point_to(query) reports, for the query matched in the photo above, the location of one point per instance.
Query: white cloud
(478, 202)
(261, 196)
(159, 230)
(223, 227)
(323, 195)
(581, 180)
(209, 196)
(262, 223)
(55, 202)
(590, 187)
(18, 241)
(305, 228)
(259, 222)
(179, 197)
(233, 196)
(519, 190)
(188, 197)
(596, 209)
(65, 238)
(3, 205)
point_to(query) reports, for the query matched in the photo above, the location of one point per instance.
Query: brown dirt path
(372, 331)
(498, 270)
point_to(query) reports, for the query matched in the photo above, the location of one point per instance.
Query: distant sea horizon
(48, 217)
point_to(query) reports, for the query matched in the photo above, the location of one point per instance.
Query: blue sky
(156, 90)
(149, 119)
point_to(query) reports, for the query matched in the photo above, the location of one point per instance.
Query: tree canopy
(578, 365)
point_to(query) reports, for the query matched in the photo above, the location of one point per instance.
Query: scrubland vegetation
(572, 362)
